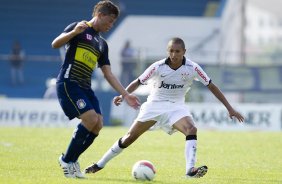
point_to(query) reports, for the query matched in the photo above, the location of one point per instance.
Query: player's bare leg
(82, 138)
(186, 126)
(136, 130)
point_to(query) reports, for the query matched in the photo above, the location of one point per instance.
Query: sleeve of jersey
(201, 75)
(148, 73)
(104, 57)
(70, 27)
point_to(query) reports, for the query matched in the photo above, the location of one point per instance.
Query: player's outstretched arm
(130, 88)
(220, 96)
(131, 100)
(133, 86)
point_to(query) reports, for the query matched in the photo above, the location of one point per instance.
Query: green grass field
(29, 155)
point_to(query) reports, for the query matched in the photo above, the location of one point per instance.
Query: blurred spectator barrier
(47, 113)
(214, 116)
(247, 78)
(39, 113)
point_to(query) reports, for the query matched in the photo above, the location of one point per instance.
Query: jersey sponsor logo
(89, 37)
(149, 75)
(80, 103)
(86, 57)
(170, 86)
(201, 74)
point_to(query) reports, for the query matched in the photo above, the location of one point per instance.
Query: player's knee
(96, 129)
(99, 126)
(94, 120)
(91, 122)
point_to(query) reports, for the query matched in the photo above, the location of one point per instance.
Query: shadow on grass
(246, 180)
(119, 180)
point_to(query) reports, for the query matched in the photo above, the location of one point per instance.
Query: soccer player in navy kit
(165, 107)
(86, 50)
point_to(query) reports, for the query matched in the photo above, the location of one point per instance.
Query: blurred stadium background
(237, 42)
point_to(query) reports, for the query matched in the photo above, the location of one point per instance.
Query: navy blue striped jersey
(84, 52)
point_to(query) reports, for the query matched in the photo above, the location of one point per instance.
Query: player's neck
(175, 66)
(94, 24)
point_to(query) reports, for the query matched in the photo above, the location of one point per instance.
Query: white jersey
(169, 84)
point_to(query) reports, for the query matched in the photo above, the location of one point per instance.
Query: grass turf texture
(29, 155)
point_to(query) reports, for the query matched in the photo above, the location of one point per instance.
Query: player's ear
(100, 14)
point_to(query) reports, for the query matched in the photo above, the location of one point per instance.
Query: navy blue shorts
(75, 100)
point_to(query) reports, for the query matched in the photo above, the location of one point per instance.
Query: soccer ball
(143, 170)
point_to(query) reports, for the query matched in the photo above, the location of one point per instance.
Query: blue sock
(88, 141)
(77, 143)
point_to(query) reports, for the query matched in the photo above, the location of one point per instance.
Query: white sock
(190, 154)
(111, 153)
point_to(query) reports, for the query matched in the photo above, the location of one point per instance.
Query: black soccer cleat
(93, 168)
(197, 172)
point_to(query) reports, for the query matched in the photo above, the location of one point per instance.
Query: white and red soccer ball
(143, 170)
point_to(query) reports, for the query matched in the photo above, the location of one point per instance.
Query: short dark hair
(107, 8)
(178, 41)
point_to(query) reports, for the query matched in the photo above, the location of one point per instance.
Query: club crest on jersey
(80, 103)
(89, 37)
(184, 76)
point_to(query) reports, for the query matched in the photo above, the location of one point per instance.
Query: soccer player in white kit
(165, 107)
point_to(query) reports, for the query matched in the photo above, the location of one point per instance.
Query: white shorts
(165, 113)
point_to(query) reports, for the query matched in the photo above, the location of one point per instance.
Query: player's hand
(237, 115)
(117, 100)
(80, 27)
(132, 101)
